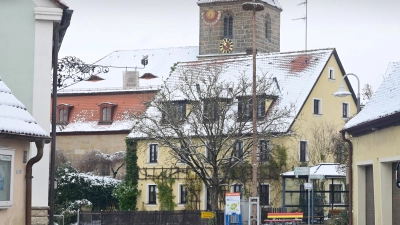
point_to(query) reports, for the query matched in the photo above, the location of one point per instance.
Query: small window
(63, 112)
(210, 111)
(228, 25)
(182, 194)
(183, 156)
(152, 194)
(264, 194)
(268, 30)
(6, 177)
(174, 112)
(106, 112)
(335, 190)
(153, 153)
(317, 107)
(245, 108)
(264, 149)
(210, 148)
(345, 110)
(303, 151)
(331, 74)
(238, 149)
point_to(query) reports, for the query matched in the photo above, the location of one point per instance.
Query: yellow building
(294, 102)
(375, 139)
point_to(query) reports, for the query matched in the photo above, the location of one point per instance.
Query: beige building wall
(15, 215)
(75, 146)
(379, 149)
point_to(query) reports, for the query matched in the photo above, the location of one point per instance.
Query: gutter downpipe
(28, 184)
(350, 165)
(56, 44)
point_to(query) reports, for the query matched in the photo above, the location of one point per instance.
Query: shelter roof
(326, 169)
(14, 118)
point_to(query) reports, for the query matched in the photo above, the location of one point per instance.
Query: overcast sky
(366, 33)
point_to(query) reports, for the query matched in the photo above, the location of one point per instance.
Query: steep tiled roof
(14, 118)
(385, 101)
(85, 110)
(295, 73)
(274, 3)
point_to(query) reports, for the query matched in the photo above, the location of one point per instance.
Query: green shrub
(126, 194)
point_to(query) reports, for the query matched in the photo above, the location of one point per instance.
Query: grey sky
(366, 33)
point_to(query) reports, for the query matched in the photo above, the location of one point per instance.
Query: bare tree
(367, 92)
(203, 115)
(100, 163)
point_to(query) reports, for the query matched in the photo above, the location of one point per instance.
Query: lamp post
(343, 93)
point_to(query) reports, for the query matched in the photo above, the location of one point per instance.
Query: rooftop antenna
(304, 18)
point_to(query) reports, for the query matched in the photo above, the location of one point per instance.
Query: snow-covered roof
(384, 102)
(14, 118)
(295, 74)
(93, 126)
(160, 61)
(274, 3)
(326, 169)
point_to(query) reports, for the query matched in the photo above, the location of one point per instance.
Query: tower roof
(273, 3)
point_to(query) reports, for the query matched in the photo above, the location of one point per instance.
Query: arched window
(228, 25)
(268, 28)
(106, 112)
(63, 112)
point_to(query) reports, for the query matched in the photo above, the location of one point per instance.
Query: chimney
(130, 79)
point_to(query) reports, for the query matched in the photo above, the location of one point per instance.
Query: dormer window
(63, 112)
(245, 107)
(174, 112)
(106, 112)
(210, 111)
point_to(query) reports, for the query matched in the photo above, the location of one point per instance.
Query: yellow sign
(207, 215)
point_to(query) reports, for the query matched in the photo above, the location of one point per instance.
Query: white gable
(384, 102)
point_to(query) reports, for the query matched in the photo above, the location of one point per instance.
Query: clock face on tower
(226, 45)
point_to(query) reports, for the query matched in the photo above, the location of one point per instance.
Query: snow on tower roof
(384, 102)
(274, 3)
(14, 118)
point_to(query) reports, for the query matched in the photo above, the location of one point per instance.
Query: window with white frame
(317, 109)
(6, 177)
(182, 194)
(210, 148)
(264, 150)
(183, 155)
(335, 193)
(303, 151)
(264, 194)
(151, 194)
(345, 110)
(153, 153)
(331, 73)
(238, 149)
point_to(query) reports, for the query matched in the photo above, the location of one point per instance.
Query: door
(395, 198)
(369, 192)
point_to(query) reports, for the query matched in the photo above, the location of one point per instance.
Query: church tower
(225, 28)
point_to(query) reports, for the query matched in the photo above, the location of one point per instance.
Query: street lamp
(343, 93)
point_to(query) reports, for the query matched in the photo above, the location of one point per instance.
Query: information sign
(207, 215)
(300, 171)
(308, 186)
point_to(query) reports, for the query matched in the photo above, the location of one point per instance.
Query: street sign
(207, 215)
(317, 176)
(308, 186)
(300, 171)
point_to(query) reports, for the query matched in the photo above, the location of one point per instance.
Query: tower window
(228, 26)
(268, 28)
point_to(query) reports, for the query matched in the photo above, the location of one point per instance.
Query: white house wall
(26, 51)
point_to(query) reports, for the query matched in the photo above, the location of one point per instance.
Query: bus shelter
(329, 190)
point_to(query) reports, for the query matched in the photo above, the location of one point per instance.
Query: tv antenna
(304, 18)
